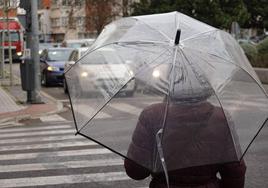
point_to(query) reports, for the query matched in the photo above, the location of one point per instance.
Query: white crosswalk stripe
(36, 128)
(60, 165)
(47, 132)
(54, 153)
(127, 108)
(64, 179)
(37, 139)
(50, 145)
(55, 148)
(86, 110)
(52, 118)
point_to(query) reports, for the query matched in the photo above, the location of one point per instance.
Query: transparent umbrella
(167, 92)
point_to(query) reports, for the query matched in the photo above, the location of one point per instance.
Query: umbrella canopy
(167, 92)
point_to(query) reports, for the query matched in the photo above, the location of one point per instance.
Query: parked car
(102, 69)
(77, 43)
(43, 46)
(74, 56)
(52, 62)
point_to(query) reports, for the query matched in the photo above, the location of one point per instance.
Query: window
(54, 3)
(64, 21)
(55, 22)
(59, 55)
(80, 21)
(14, 36)
(1, 4)
(79, 2)
(66, 2)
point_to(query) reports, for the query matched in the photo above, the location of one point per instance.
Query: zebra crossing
(112, 110)
(130, 109)
(50, 155)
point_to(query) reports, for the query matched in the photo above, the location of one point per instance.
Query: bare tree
(99, 13)
(125, 8)
(71, 18)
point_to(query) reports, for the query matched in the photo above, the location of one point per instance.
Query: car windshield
(47, 45)
(59, 55)
(74, 45)
(14, 36)
(103, 57)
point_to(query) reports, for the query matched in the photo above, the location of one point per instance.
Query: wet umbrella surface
(188, 94)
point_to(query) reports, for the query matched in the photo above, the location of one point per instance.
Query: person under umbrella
(191, 121)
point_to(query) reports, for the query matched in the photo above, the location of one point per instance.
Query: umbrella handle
(161, 154)
(178, 36)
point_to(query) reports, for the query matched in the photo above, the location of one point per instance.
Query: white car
(74, 57)
(77, 43)
(103, 70)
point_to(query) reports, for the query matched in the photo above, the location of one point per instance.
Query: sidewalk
(13, 106)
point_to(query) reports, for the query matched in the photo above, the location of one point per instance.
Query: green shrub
(251, 53)
(262, 48)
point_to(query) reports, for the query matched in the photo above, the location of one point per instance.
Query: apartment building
(76, 19)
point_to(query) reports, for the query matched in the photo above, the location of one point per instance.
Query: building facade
(76, 19)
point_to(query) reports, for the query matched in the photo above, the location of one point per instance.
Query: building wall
(70, 19)
(44, 25)
(12, 5)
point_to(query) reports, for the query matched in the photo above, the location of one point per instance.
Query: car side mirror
(42, 60)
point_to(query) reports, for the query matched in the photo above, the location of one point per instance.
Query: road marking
(64, 100)
(61, 165)
(47, 146)
(126, 108)
(86, 110)
(52, 118)
(40, 139)
(65, 179)
(152, 102)
(37, 128)
(27, 134)
(53, 154)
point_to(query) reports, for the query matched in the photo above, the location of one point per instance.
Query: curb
(14, 120)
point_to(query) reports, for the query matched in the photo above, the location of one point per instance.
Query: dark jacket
(188, 128)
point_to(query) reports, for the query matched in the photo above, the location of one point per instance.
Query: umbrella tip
(178, 35)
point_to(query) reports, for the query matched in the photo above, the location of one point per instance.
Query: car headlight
(131, 73)
(156, 73)
(84, 74)
(19, 53)
(51, 68)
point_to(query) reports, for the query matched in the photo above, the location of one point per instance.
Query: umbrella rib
(216, 97)
(198, 34)
(166, 107)
(143, 50)
(117, 93)
(142, 42)
(96, 113)
(71, 103)
(264, 123)
(231, 62)
(155, 29)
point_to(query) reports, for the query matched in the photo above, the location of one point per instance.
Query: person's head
(187, 94)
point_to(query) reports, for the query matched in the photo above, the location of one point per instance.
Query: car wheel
(44, 79)
(65, 86)
(75, 89)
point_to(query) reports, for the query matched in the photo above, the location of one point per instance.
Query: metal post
(2, 54)
(7, 5)
(34, 53)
